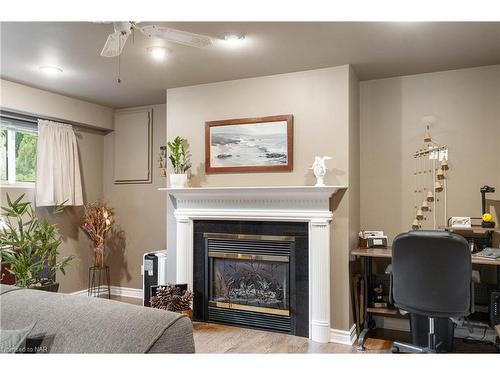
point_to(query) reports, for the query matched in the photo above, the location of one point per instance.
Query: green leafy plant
(178, 155)
(30, 244)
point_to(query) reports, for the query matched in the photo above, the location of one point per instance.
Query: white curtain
(57, 167)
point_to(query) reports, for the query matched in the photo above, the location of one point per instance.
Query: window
(18, 140)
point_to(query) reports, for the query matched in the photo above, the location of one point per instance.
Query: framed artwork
(249, 145)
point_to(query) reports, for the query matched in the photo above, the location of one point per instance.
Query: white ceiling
(376, 50)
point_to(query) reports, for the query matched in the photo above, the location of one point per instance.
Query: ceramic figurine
(319, 169)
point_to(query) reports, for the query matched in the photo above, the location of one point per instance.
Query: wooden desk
(387, 253)
(367, 255)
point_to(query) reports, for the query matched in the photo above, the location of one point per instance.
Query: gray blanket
(81, 324)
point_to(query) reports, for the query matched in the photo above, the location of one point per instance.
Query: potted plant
(180, 164)
(97, 221)
(30, 246)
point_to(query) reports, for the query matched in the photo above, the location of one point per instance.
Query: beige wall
(75, 242)
(22, 98)
(140, 212)
(140, 208)
(466, 103)
(354, 182)
(90, 148)
(319, 102)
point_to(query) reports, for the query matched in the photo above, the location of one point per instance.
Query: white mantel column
(319, 258)
(184, 253)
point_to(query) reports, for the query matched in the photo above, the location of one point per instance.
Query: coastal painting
(249, 145)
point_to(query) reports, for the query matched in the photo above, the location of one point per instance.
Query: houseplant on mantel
(29, 244)
(179, 158)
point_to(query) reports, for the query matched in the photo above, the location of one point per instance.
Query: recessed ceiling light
(50, 70)
(158, 53)
(233, 38)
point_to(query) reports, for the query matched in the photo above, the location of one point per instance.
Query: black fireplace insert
(249, 279)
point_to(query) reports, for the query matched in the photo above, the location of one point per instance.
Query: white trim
(339, 336)
(120, 291)
(17, 185)
(264, 203)
(11, 157)
(126, 292)
(244, 190)
(83, 292)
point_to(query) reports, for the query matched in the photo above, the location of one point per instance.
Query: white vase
(178, 181)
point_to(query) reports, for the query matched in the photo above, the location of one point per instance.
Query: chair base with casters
(432, 344)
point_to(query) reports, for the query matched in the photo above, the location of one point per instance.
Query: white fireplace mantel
(267, 203)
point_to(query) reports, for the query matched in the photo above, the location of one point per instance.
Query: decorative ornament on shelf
(440, 174)
(319, 168)
(425, 205)
(98, 219)
(430, 164)
(179, 158)
(416, 224)
(162, 161)
(430, 196)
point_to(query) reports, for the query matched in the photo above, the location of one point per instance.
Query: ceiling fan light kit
(116, 40)
(50, 70)
(233, 37)
(122, 30)
(158, 53)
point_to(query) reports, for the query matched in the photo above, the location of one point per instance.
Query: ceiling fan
(122, 30)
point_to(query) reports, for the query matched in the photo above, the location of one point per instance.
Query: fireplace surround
(280, 204)
(252, 274)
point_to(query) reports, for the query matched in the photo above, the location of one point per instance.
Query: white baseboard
(83, 292)
(126, 292)
(117, 291)
(339, 336)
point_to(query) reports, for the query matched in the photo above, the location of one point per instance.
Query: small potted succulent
(29, 245)
(179, 158)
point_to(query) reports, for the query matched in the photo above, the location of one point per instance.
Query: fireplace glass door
(249, 282)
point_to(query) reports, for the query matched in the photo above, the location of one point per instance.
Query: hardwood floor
(218, 338)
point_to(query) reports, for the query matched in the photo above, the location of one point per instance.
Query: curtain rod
(33, 118)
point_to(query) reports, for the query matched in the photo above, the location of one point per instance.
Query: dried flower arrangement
(172, 298)
(97, 221)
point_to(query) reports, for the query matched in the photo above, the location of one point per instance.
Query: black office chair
(431, 277)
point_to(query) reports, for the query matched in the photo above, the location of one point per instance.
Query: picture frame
(260, 144)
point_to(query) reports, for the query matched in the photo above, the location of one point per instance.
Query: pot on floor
(46, 285)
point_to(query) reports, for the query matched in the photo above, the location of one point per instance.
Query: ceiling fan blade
(177, 36)
(114, 44)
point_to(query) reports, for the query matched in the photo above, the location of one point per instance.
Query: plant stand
(98, 275)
